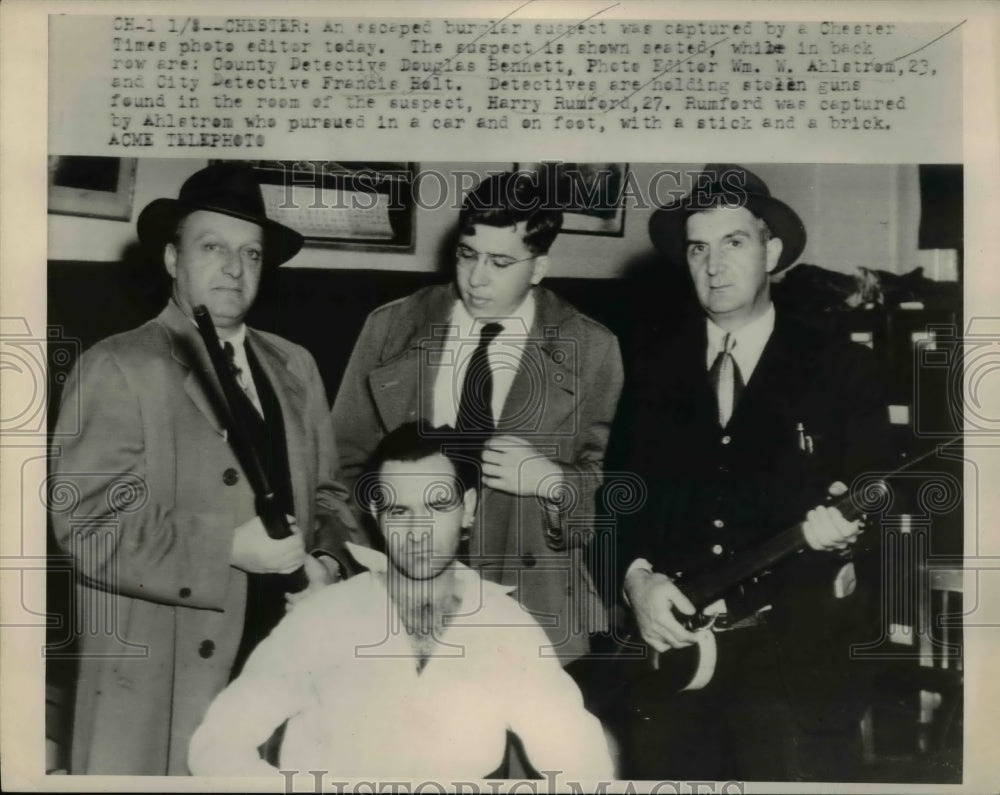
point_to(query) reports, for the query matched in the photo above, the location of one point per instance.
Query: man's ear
(542, 263)
(469, 501)
(170, 259)
(773, 247)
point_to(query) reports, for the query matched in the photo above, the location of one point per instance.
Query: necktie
(725, 376)
(475, 409)
(241, 376)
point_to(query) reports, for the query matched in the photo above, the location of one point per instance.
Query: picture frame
(364, 206)
(591, 195)
(93, 187)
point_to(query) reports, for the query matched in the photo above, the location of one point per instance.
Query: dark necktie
(726, 380)
(475, 409)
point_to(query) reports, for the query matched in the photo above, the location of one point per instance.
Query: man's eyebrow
(490, 253)
(213, 231)
(734, 233)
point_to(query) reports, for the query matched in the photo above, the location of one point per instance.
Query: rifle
(271, 514)
(603, 677)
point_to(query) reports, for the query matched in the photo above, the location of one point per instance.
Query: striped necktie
(725, 377)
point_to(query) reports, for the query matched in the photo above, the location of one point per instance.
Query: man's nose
(716, 262)
(233, 265)
(480, 275)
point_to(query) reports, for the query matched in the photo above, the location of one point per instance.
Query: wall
(855, 215)
(858, 215)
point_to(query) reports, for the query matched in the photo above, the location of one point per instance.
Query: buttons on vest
(230, 477)
(726, 439)
(206, 649)
(184, 593)
(718, 523)
(717, 549)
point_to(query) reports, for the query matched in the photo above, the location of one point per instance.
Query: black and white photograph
(543, 397)
(778, 482)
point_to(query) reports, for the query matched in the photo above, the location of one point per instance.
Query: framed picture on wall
(591, 195)
(95, 187)
(356, 205)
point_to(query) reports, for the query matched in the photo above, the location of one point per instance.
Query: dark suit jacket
(713, 492)
(562, 401)
(153, 493)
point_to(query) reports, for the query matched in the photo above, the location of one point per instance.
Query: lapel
(202, 386)
(402, 385)
(188, 350)
(774, 379)
(684, 373)
(544, 390)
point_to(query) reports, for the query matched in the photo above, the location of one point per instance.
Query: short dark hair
(414, 442)
(504, 200)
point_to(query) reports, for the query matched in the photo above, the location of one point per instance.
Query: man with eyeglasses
(529, 381)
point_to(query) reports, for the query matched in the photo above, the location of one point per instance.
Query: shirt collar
(750, 342)
(517, 324)
(237, 339)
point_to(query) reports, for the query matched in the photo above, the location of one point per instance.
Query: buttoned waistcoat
(714, 492)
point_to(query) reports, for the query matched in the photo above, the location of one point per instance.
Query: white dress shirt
(750, 342)
(341, 668)
(504, 354)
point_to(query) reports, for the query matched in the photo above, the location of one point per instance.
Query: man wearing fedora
(742, 425)
(177, 577)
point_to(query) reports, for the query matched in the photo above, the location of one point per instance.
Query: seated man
(417, 667)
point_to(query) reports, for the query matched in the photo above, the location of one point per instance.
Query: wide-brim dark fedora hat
(725, 185)
(230, 189)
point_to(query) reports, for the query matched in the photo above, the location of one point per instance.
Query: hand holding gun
(273, 518)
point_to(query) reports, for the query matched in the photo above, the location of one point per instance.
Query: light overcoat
(145, 498)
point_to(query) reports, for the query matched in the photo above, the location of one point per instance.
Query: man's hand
(513, 465)
(826, 529)
(255, 552)
(320, 572)
(652, 596)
